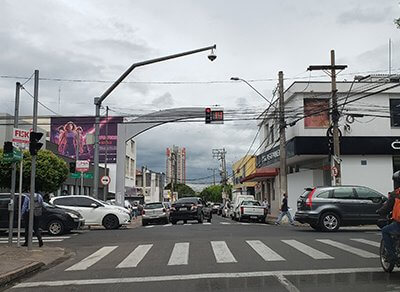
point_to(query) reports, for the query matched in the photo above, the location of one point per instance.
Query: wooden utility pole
(282, 138)
(335, 162)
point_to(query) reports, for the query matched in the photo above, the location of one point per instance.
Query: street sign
(21, 138)
(82, 165)
(105, 180)
(87, 175)
(75, 175)
(14, 156)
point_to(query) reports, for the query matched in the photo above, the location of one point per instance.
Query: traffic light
(72, 167)
(8, 147)
(208, 115)
(34, 144)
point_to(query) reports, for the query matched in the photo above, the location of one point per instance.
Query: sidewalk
(17, 262)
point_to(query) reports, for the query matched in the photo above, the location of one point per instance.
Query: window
(251, 203)
(343, 193)
(84, 202)
(65, 201)
(272, 133)
(315, 118)
(323, 195)
(394, 112)
(367, 194)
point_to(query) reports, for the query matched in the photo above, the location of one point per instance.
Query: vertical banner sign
(70, 132)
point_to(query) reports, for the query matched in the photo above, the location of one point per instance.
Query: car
(127, 206)
(155, 212)
(215, 207)
(94, 211)
(234, 214)
(190, 208)
(328, 208)
(55, 220)
(252, 210)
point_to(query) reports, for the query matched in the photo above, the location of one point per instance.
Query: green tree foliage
(51, 172)
(212, 193)
(182, 189)
(397, 22)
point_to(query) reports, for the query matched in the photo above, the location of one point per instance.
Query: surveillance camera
(212, 56)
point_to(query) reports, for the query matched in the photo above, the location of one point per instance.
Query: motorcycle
(386, 265)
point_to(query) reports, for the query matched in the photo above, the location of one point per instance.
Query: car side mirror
(94, 205)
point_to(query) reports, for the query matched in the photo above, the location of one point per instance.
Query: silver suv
(328, 208)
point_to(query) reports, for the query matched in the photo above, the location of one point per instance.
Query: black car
(190, 208)
(328, 208)
(55, 220)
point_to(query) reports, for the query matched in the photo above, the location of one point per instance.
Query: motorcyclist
(392, 205)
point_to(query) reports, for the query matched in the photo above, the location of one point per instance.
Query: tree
(212, 193)
(51, 172)
(182, 189)
(397, 22)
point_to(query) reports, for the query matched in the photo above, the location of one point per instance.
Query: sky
(80, 47)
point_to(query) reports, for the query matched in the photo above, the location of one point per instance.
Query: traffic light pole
(33, 169)
(14, 170)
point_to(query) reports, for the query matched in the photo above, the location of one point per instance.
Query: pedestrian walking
(284, 210)
(37, 213)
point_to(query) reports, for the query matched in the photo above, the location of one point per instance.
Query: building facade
(241, 169)
(176, 164)
(150, 185)
(369, 125)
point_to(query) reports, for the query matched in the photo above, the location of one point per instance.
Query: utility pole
(213, 170)
(335, 115)
(282, 138)
(220, 155)
(105, 187)
(33, 163)
(14, 169)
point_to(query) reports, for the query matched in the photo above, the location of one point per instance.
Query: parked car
(155, 212)
(56, 221)
(236, 203)
(251, 210)
(190, 208)
(215, 207)
(127, 206)
(94, 211)
(328, 208)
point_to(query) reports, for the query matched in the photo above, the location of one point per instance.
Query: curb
(19, 273)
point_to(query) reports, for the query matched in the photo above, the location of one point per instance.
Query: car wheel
(55, 227)
(111, 222)
(201, 218)
(329, 222)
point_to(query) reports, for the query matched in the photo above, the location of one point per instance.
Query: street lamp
(251, 86)
(98, 101)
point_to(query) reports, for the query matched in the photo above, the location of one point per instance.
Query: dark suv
(328, 208)
(190, 208)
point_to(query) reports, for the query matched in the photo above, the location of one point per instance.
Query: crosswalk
(180, 254)
(4, 240)
(208, 223)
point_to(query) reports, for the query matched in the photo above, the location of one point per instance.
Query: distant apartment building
(176, 164)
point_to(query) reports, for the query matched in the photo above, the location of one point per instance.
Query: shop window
(395, 112)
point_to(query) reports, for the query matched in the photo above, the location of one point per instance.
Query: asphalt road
(221, 256)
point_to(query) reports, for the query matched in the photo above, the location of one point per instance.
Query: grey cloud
(163, 101)
(365, 15)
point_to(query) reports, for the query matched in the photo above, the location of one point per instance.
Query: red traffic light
(208, 110)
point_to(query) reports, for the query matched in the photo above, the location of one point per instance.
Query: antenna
(390, 56)
(59, 98)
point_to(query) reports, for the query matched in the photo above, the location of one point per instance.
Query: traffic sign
(21, 138)
(87, 175)
(105, 180)
(82, 165)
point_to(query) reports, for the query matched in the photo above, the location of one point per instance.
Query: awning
(261, 174)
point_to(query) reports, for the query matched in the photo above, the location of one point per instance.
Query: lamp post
(98, 101)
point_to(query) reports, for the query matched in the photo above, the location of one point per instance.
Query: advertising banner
(70, 133)
(320, 107)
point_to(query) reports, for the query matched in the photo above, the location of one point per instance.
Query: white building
(150, 185)
(369, 123)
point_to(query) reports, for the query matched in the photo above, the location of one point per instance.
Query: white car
(95, 212)
(236, 204)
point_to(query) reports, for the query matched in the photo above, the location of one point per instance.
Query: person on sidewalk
(37, 213)
(284, 210)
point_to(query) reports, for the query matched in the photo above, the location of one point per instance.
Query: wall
(377, 174)
(296, 183)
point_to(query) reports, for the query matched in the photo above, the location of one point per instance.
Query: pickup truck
(251, 210)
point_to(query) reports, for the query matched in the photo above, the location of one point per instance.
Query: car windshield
(306, 192)
(154, 206)
(251, 203)
(187, 200)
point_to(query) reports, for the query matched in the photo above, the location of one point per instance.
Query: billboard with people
(71, 135)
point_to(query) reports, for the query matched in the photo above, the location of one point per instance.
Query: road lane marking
(92, 259)
(150, 226)
(180, 254)
(34, 241)
(264, 251)
(286, 283)
(135, 257)
(167, 225)
(207, 223)
(148, 279)
(244, 223)
(225, 223)
(366, 241)
(357, 251)
(222, 253)
(312, 252)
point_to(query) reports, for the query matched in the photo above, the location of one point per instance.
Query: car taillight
(309, 198)
(242, 210)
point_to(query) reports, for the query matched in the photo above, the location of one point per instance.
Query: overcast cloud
(97, 40)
